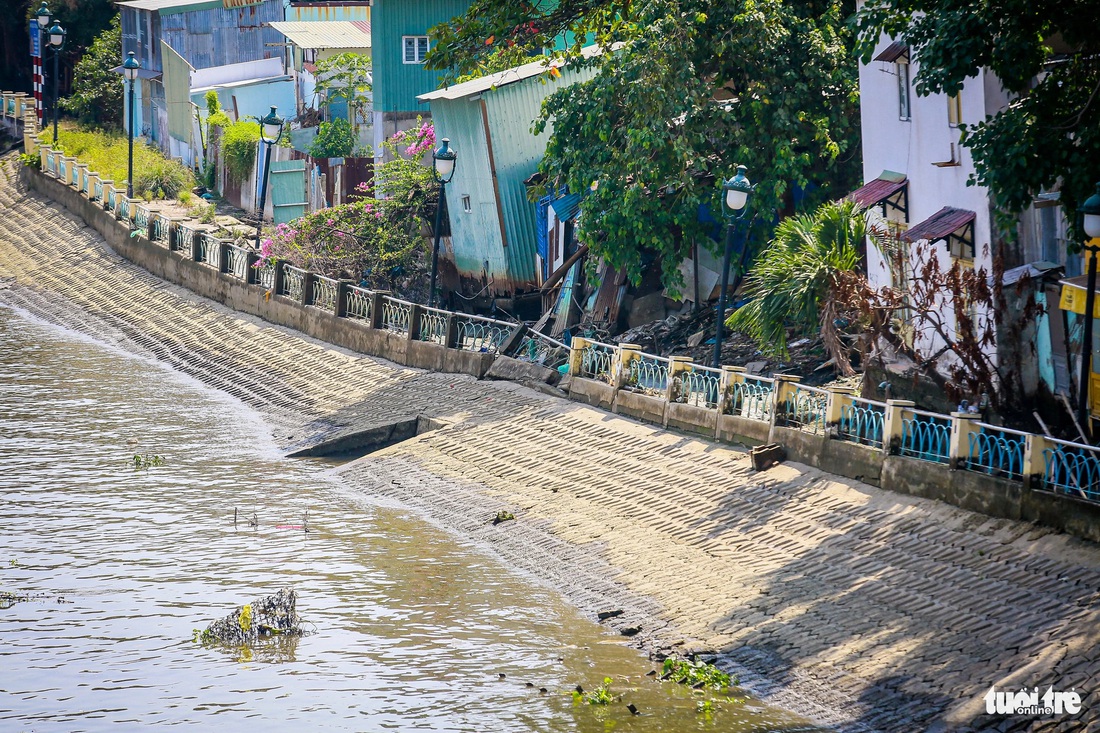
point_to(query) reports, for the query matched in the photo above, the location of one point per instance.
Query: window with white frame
(903, 89)
(416, 49)
(467, 206)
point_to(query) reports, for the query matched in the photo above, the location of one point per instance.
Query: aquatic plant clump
(695, 674)
(263, 618)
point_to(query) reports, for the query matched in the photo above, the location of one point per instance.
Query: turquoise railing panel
(863, 422)
(996, 451)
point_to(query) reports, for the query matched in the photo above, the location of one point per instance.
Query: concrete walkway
(863, 609)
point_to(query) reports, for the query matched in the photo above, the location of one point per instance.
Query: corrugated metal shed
(397, 84)
(325, 33)
(329, 11)
(168, 7)
(492, 220)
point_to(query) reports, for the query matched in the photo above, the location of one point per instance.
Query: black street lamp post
(130, 70)
(735, 197)
(443, 170)
(271, 129)
(1090, 215)
(57, 42)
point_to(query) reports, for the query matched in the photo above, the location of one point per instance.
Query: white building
(916, 174)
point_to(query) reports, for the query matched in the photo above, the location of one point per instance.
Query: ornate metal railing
(51, 163)
(1072, 469)
(206, 249)
(324, 293)
(996, 451)
(433, 325)
(926, 435)
(265, 276)
(396, 314)
(182, 238)
(97, 191)
(862, 421)
(804, 409)
(697, 385)
(236, 261)
(359, 303)
(83, 185)
(751, 397)
(62, 169)
(648, 373)
(142, 214)
(294, 280)
(158, 228)
(475, 333)
(538, 348)
(598, 361)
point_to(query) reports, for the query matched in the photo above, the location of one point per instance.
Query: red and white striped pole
(38, 108)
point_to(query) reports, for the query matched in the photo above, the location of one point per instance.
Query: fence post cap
(786, 378)
(733, 369)
(680, 359)
(964, 416)
(900, 403)
(836, 389)
(630, 347)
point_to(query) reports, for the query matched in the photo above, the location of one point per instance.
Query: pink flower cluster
(420, 139)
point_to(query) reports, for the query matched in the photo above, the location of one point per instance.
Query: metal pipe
(1086, 342)
(435, 248)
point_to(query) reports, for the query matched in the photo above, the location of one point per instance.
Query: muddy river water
(107, 569)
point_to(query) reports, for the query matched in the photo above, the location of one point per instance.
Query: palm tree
(798, 280)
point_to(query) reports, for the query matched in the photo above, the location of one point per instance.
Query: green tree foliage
(347, 76)
(97, 93)
(238, 144)
(335, 139)
(1046, 56)
(796, 281)
(695, 88)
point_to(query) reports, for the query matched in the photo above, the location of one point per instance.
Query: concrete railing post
(341, 307)
(450, 333)
(307, 287)
(730, 376)
(835, 401)
(625, 356)
(223, 255)
(962, 426)
(416, 314)
(894, 424)
(44, 152)
(78, 175)
(251, 260)
(1034, 462)
(377, 301)
(576, 355)
(676, 365)
(93, 179)
(784, 393)
(196, 246)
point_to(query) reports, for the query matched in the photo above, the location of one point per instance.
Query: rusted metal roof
(325, 33)
(940, 225)
(893, 52)
(879, 189)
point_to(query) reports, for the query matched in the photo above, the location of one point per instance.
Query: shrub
(163, 179)
(106, 154)
(239, 141)
(335, 139)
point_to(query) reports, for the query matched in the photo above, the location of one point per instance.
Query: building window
(903, 90)
(954, 110)
(416, 49)
(467, 206)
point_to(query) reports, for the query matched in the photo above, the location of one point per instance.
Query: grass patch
(106, 154)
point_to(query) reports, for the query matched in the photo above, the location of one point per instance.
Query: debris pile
(264, 617)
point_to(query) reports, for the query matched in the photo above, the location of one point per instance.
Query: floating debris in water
(263, 618)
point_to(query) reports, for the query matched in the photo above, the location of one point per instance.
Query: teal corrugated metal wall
(396, 84)
(474, 235)
(511, 110)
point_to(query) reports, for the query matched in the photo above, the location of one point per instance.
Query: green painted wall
(396, 84)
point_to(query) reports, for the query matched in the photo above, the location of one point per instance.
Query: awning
(956, 226)
(567, 207)
(888, 189)
(1074, 295)
(893, 52)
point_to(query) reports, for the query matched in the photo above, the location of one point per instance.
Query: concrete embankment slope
(864, 609)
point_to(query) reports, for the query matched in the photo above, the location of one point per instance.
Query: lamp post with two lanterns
(56, 42)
